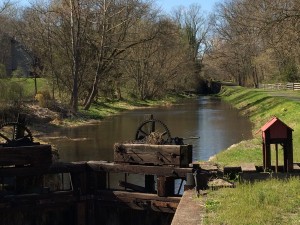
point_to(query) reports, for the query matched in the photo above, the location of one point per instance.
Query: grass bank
(105, 108)
(22, 91)
(260, 106)
(266, 202)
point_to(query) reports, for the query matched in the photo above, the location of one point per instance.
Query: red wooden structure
(277, 132)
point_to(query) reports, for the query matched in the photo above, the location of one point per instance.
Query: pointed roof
(271, 122)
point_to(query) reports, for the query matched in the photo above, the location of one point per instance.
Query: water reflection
(216, 123)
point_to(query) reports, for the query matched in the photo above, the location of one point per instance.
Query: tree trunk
(92, 94)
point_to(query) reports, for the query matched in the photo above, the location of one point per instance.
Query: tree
(4, 6)
(195, 27)
(115, 25)
(256, 39)
(155, 67)
(57, 34)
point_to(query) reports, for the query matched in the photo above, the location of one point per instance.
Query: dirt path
(290, 95)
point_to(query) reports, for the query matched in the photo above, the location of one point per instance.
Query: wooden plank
(39, 200)
(56, 167)
(248, 167)
(209, 166)
(133, 187)
(162, 204)
(177, 155)
(146, 159)
(67, 167)
(34, 155)
(139, 169)
(81, 213)
(147, 154)
(296, 166)
(186, 155)
(98, 166)
(108, 194)
(148, 148)
(138, 201)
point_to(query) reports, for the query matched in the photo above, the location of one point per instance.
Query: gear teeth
(29, 134)
(155, 121)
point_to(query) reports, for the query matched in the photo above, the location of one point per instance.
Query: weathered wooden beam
(97, 166)
(138, 201)
(34, 156)
(147, 154)
(165, 186)
(81, 213)
(67, 167)
(248, 167)
(133, 187)
(139, 169)
(47, 200)
(56, 167)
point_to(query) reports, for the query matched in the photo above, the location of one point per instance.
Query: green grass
(105, 108)
(260, 107)
(267, 202)
(14, 85)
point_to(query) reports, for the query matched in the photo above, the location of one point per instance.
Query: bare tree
(115, 25)
(156, 67)
(4, 6)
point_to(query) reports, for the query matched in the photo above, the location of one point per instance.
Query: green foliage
(290, 73)
(211, 205)
(16, 90)
(18, 73)
(29, 86)
(2, 71)
(11, 91)
(106, 108)
(44, 98)
(267, 202)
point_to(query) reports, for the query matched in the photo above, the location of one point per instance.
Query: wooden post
(268, 156)
(81, 213)
(289, 149)
(190, 181)
(165, 186)
(276, 149)
(201, 180)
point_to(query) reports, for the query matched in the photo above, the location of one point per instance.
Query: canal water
(215, 122)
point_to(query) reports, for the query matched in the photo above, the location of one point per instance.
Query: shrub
(18, 73)
(2, 71)
(15, 92)
(44, 98)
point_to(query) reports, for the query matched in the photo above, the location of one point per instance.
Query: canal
(216, 123)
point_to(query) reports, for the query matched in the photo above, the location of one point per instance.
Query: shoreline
(85, 118)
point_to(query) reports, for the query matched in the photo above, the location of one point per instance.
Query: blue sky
(168, 5)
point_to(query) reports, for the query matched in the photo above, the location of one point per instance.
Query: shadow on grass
(100, 110)
(254, 103)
